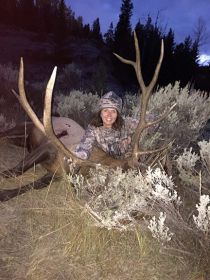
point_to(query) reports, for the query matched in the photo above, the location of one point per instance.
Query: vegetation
(49, 235)
(48, 16)
(149, 35)
(106, 228)
(76, 105)
(112, 224)
(53, 17)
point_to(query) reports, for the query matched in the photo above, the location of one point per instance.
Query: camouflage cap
(110, 100)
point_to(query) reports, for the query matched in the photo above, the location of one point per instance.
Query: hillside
(89, 60)
(36, 52)
(41, 53)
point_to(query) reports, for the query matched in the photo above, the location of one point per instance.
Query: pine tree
(96, 30)
(185, 55)
(109, 37)
(122, 36)
(149, 37)
(167, 68)
(123, 42)
(139, 30)
(86, 31)
(78, 26)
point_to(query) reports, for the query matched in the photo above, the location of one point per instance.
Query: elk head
(137, 152)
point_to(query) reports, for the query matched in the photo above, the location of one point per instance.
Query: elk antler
(146, 93)
(46, 127)
(47, 121)
(23, 99)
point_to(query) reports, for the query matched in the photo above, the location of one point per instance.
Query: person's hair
(97, 121)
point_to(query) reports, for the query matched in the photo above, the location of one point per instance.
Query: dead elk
(40, 151)
(39, 146)
(49, 149)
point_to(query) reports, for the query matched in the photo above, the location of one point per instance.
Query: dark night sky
(181, 15)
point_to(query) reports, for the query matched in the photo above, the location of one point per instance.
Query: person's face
(109, 116)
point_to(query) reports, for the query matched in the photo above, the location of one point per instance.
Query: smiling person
(108, 130)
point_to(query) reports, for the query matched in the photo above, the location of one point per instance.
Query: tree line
(45, 17)
(180, 60)
(54, 17)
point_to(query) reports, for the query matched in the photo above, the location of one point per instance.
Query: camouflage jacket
(107, 139)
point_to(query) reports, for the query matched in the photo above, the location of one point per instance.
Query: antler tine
(23, 99)
(136, 64)
(146, 93)
(47, 121)
(157, 69)
(164, 115)
(148, 152)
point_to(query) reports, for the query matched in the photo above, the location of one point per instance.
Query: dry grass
(47, 234)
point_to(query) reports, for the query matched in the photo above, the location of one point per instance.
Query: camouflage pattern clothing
(107, 139)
